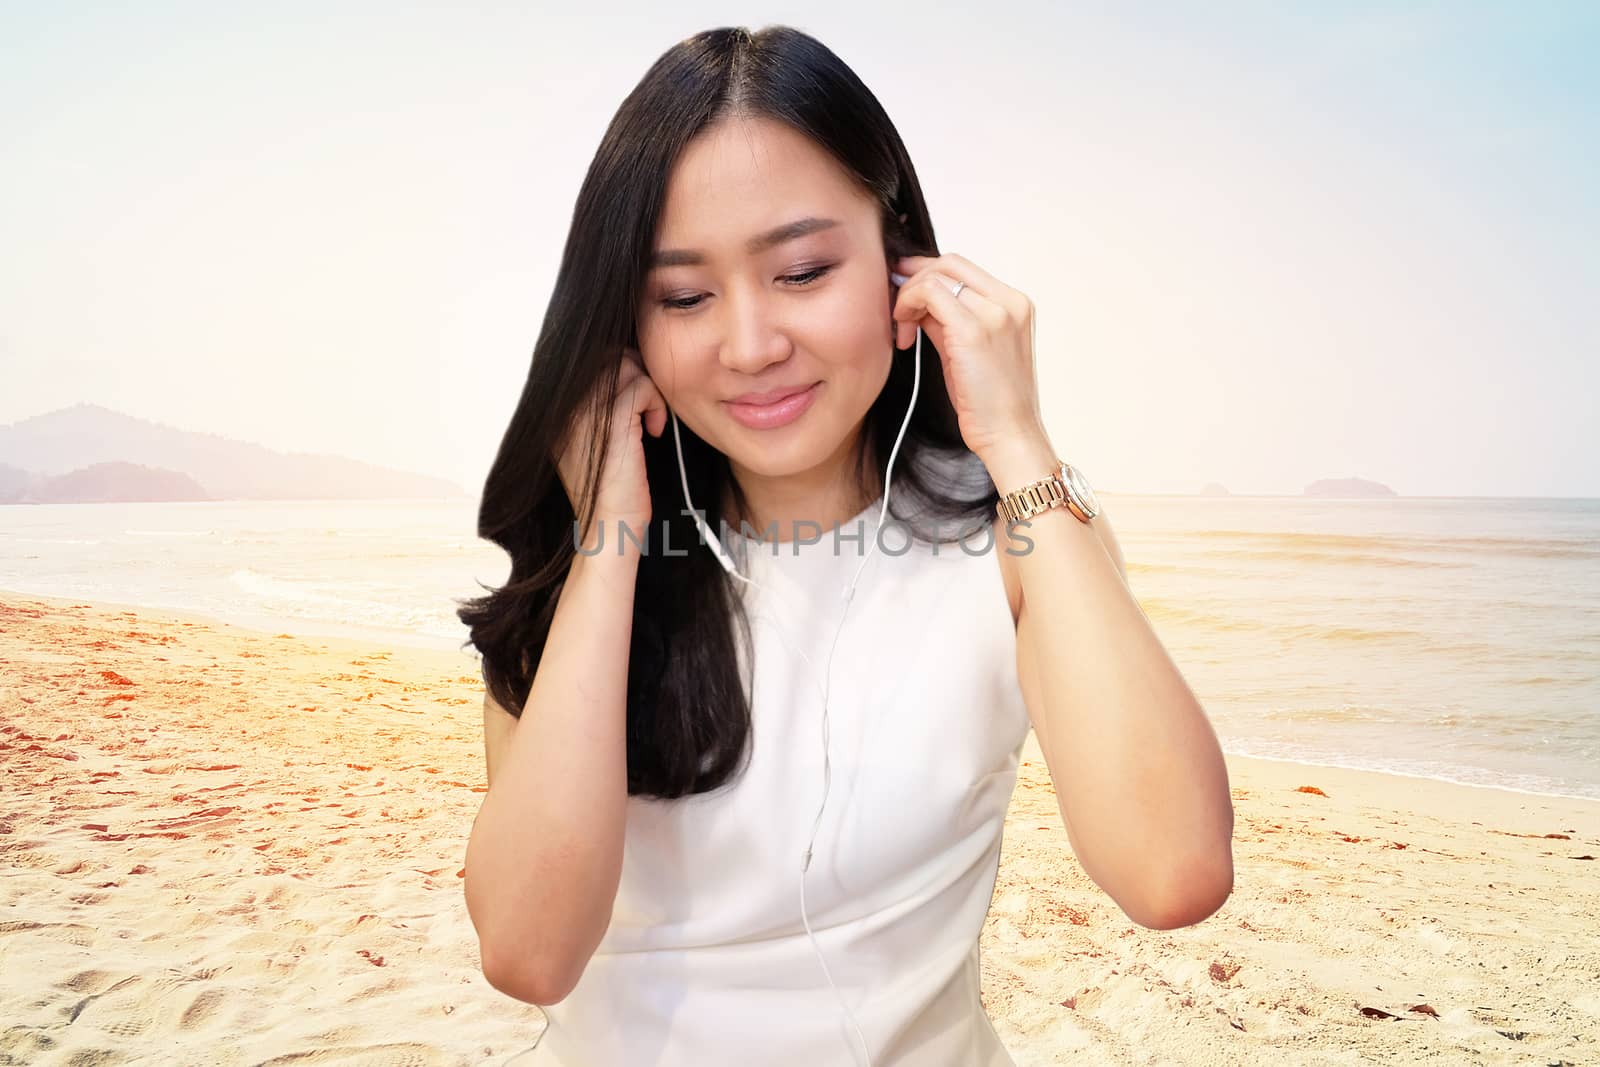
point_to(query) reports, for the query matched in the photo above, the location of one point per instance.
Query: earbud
(894, 327)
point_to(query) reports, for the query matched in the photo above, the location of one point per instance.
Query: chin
(775, 462)
(763, 452)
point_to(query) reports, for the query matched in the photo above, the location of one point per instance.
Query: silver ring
(956, 292)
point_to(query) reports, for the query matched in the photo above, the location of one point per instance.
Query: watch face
(1080, 489)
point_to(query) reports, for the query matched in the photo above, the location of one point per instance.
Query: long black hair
(688, 715)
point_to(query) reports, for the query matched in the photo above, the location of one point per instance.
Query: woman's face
(769, 276)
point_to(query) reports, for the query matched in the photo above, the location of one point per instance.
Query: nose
(753, 334)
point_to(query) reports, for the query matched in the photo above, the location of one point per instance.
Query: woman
(677, 855)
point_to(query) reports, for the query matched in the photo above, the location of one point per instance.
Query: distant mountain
(79, 454)
(103, 483)
(1214, 489)
(1348, 487)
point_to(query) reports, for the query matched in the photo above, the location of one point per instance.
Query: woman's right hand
(624, 495)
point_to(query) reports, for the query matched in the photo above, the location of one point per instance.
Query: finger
(975, 303)
(629, 369)
(631, 378)
(646, 401)
(1015, 304)
(929, 294)
(655, 413)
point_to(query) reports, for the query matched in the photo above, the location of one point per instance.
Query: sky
(1267, 243)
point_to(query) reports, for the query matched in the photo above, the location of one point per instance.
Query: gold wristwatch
(1064, 487)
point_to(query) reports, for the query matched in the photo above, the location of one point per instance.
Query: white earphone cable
(848, 594)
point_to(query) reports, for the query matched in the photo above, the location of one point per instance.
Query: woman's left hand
(985, 342)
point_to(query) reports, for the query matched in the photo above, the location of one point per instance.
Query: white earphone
(848, 592)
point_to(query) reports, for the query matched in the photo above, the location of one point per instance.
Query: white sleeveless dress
(706, 961)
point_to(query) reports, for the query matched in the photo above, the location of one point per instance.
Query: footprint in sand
(120, 1011)
(204, 1007)
(71, 933)
(90, 981)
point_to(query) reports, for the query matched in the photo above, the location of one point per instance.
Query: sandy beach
(228, 846)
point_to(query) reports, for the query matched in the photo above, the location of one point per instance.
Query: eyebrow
(789, 231)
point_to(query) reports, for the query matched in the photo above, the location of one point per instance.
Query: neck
(828, 495)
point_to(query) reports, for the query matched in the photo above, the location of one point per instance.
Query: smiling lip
(771, 397)
(788, 406)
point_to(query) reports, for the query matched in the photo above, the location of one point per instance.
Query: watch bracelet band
(1035, 497)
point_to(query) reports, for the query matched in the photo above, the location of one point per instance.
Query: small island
(1348, 488)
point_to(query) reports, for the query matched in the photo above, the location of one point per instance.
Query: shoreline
(1456, 783)
(303, 629)
(360, 637)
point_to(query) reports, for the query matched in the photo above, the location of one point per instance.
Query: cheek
(682, 379)
(858, 325)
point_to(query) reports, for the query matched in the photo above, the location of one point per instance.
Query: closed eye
(808, 277)
(799, 281)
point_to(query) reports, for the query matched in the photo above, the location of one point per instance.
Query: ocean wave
(58, 540)
(1293, 542)
(1455, 774)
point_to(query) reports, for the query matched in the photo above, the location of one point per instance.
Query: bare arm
(545, 854)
